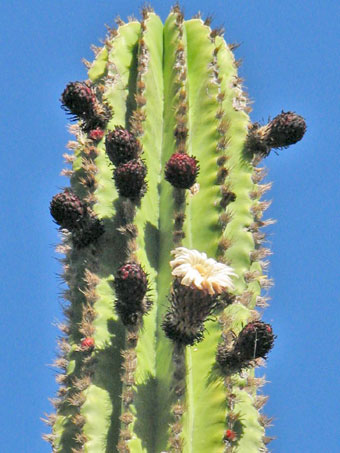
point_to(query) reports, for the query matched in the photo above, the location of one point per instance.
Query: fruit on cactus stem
(181, 170)
(130, 179)
(131, 286)
(73, 214)
(254, 341)
(88, 232)
(121, 146)
(68, 210)
(284, 130)
(79, 99)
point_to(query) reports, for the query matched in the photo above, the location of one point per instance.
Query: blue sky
(290, 51)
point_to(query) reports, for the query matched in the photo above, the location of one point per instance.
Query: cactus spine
(163, 98)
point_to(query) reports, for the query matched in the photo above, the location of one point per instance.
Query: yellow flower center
(200, 268)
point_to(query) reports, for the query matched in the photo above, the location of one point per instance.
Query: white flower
(194, 267)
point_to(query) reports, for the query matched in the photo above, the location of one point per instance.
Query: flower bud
(181, 170)
(130, 179)
(121, 146)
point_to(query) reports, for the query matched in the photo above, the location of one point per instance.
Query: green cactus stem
(163, 250)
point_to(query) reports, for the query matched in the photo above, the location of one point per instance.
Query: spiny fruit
(181, 170)
(79, 99)
(285, 129)
(68, 210)
(131, 285)
(121, 146)
(71, 213)
(255, 340)
(130, 179)
(88, 232)
(131, 282)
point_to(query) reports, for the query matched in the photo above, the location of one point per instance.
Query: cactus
(164, 259)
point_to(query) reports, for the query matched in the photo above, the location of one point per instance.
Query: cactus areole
(163, 255)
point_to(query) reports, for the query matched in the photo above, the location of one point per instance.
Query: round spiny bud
(96, 134)
(87, 344)
(121, 146)
(285, 129)
(230, 435)
(131, 285)
(73, 214)
(130, 179)
(68, 210)
(131, 282)
(181, 170)
(79, 99)
(254, 341)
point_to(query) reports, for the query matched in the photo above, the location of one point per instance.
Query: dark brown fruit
(68, 210)
(131, 286)
(121, 146)
(181, 170)
(285, 129)
(255, 340)
(78, 99)
(74, 215)
(130, 179)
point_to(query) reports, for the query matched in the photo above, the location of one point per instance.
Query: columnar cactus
(164, 257)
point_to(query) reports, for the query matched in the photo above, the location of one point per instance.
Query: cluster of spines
(227, 197)
(74, 215)
(129, 365)
(138, 116)
(82, 101)
(286, 129)
(230, 434)
(253, 342)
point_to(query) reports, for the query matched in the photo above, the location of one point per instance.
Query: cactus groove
(158, 356)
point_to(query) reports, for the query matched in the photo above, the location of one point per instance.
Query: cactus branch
(163, 250)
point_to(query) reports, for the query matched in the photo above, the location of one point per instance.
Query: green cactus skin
(175, 86)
